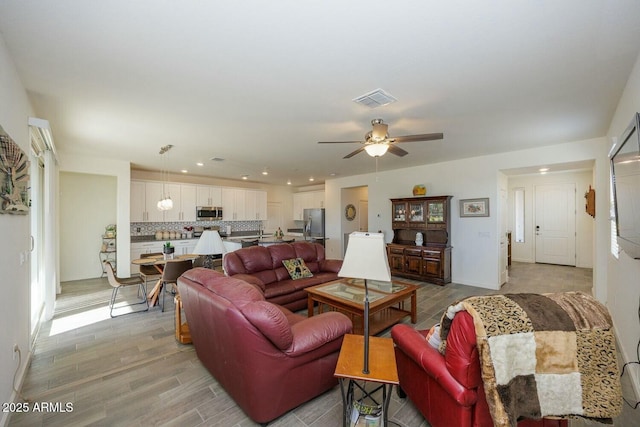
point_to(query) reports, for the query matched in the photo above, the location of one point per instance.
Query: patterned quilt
(544, 355)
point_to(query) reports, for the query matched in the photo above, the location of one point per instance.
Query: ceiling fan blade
(339, 142)
(353, 153)
(414, 138)
(397, 150)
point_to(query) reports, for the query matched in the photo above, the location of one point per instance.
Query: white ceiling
(259, 83)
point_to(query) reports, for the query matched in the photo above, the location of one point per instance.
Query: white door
(502, 212)
(555, 224)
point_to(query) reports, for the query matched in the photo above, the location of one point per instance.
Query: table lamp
(209, 244)
(366, 258)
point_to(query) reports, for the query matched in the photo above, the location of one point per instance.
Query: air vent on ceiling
(376, 98)
(217, 159)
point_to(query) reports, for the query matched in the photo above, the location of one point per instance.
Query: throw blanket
(544, 355)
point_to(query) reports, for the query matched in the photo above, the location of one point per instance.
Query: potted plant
(168, 249)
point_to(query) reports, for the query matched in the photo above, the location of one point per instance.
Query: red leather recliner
(447, 389)
(268, 359)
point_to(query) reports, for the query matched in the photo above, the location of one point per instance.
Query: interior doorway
(555, 224)
(353, 199)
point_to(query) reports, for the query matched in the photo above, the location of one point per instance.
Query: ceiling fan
(377, 141)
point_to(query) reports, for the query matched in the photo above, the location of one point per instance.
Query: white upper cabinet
(184, 202)
(209, 196)
(238, 204)
(144, 201)
(255, 205)
(306, 200)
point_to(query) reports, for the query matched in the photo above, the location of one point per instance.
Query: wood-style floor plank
(130, 371)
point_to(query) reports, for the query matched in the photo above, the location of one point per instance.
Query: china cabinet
(425, 256)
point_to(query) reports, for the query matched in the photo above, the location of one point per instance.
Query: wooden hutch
(431, 261)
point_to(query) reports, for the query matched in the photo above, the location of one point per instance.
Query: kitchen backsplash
(150, 228)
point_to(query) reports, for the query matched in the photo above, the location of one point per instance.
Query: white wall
(475, 241)
(87, 205)
(15, 110)
(525, 252)
(121, 171)
(623, 273)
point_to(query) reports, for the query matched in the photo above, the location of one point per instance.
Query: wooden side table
(382, 367)
(182, 329)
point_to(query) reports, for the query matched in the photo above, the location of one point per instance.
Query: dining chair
(117, 284)
(148, 272)
(248, 243)
(173, 270)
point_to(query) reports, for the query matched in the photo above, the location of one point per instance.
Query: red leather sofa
(268, 359)
(262, 266)
(447, 389)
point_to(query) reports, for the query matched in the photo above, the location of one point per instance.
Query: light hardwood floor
(130, 371)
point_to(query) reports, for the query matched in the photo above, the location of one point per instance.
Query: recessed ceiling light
(264, 172)
(332, 174)
(184, 171)
(288, 182)
(200, 164)
(311, 179)
(543, 170)
(245, 176)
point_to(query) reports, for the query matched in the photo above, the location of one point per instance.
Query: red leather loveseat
(268, 359)
(448, 389)
(263, 267)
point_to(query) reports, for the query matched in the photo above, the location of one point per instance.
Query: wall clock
(350, 212)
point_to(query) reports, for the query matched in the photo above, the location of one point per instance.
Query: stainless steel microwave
(208, 213)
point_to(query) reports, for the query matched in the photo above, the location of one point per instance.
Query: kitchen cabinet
(208, 196)
(184, 202)
(137, 249)
(431, 260)
(255, 205)
(233, 204)
(184, 247)
(144, 201)
(306, 200)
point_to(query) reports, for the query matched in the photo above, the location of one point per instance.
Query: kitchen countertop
(234, 237)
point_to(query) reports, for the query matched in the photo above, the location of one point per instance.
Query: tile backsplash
(150, 228)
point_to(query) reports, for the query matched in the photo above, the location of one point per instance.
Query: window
(519, 214)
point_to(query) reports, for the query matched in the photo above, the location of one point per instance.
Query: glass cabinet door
(399, 212)
(435, 211)
(416, 212)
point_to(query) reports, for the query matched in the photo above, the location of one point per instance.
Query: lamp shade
(366, 257)
(210, 243)
(376, 150)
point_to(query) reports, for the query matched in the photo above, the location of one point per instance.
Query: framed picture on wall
(474, 207)
(14, 177)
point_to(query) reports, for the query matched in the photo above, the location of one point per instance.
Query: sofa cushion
(297, 268)
(271, 321)
(235, 290)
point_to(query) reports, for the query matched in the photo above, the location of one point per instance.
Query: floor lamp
(209, 244)
(366, 258)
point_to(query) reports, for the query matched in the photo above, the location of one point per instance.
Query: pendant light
(165, 203)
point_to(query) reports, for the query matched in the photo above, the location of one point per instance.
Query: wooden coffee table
(386, 302)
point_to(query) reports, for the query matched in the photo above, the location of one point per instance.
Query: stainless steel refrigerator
(314, 225)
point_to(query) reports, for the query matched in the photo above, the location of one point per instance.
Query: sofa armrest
(416, 347)
(331, 265)
(316, 331)
(251, 280)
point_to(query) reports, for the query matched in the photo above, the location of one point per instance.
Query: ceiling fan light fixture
(376, 150)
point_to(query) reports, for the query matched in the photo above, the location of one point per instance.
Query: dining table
(158, 262)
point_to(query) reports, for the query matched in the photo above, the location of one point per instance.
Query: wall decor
(419, 190)
(350, 212)
(474, 207)
(14, 177)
